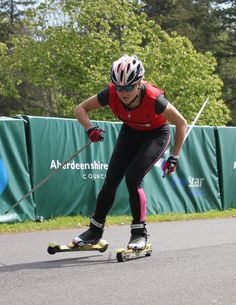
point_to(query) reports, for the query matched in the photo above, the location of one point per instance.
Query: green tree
(210, 25)
(71, 58)
(225, 11)
(15, 95)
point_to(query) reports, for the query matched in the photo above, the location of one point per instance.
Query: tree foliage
(15, 95)
(69, 57)
(210, 25)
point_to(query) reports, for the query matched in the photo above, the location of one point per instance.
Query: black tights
(134, 155)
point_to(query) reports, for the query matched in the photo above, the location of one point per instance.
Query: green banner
(14, 171)
(202, 182)
(194, 187)
(226, 148)
(73, 190)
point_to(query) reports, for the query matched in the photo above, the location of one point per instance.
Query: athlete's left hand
(169, 166)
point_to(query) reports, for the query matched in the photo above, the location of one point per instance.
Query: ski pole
(192, 125)
(44, 180)
(197, 117)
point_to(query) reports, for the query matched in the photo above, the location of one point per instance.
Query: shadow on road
(90, 260)
(61, 263)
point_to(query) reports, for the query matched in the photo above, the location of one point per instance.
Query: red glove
(169, 166)
(95, 134)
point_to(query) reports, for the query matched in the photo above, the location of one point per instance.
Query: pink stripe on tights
(142, 198)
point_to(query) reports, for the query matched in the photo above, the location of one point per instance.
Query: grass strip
(71, 222)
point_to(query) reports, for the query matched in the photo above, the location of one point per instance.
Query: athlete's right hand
(95, 134)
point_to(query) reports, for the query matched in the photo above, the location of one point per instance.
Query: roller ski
(137, 245)
(123, 254)
(54, 247)
(90, 240)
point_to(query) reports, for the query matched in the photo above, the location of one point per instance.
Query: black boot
(138, 239)
(90, 236)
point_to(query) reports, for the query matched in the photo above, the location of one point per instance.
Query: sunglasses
(127, 88)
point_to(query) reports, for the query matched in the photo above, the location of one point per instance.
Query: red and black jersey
(143, 117)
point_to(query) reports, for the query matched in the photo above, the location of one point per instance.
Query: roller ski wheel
(53, 247)
(103, 245)
(123, 254)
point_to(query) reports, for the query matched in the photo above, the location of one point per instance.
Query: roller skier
(144, 136)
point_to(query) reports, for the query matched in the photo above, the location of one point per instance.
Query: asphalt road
(193, 263)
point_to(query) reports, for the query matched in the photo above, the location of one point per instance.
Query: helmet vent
(130, 78)
(118, 67)
(121, 75)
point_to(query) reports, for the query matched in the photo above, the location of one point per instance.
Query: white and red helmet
(126, 70)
